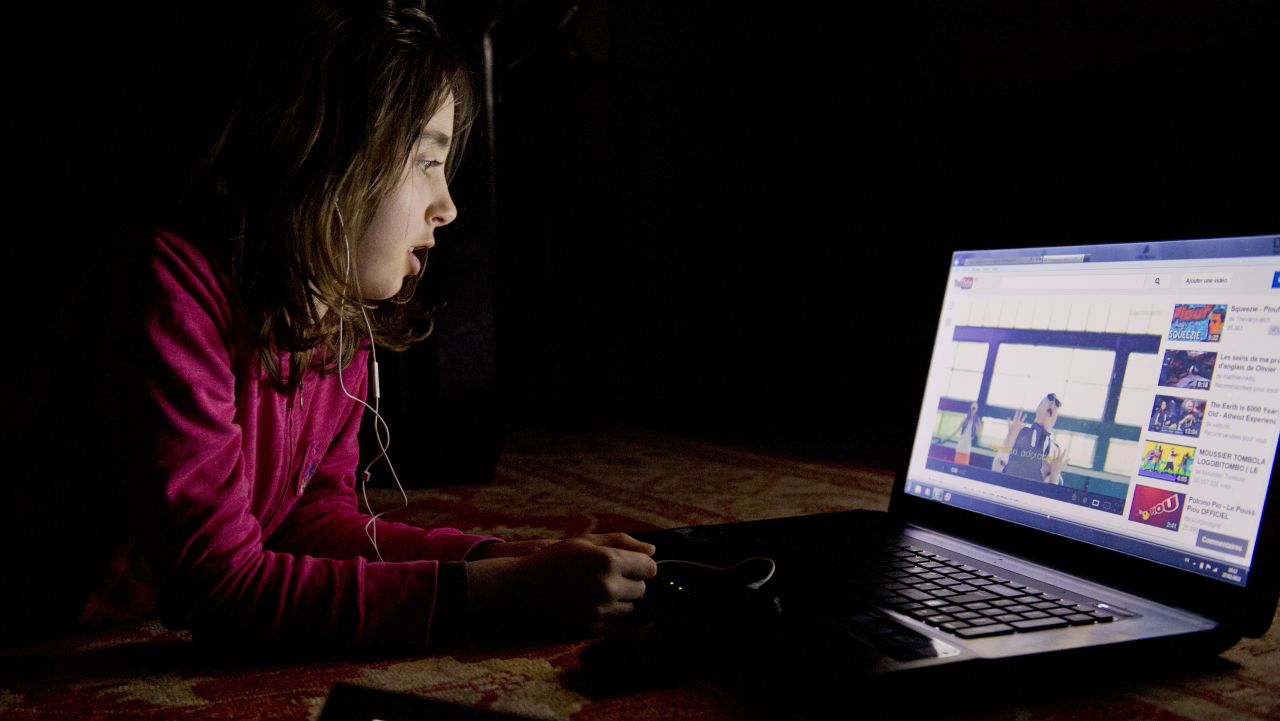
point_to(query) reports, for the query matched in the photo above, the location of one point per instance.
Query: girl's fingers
(616, 610)
(621, 541)
(626, 590)
(636, 566)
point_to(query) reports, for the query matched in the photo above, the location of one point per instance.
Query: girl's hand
(572, 587)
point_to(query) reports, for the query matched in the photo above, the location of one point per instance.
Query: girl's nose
(442, 211)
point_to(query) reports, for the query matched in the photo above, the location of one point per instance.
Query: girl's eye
(426, 165)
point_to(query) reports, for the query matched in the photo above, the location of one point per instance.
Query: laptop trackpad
(894, 639)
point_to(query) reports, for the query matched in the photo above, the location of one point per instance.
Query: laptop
(1091, 474)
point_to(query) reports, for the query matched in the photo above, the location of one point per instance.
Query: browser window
(1126, 395)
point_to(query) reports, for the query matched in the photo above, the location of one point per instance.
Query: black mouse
(696, 621)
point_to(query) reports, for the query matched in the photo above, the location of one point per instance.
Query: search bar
(1132, 281)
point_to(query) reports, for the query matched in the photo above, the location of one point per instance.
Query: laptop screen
(1124, 395)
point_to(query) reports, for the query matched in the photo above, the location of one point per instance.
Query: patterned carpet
(550, 487)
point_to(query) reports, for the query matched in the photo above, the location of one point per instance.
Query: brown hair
(334, 102)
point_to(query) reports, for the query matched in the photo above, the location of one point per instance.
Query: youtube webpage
(1134, 405)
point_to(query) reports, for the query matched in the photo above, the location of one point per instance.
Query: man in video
(1029, 451)
(1216, 318)
(1189, 423)
(1163, 417)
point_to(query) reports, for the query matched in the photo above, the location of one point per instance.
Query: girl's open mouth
(419, 254)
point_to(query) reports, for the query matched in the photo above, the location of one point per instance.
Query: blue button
(1275, 280)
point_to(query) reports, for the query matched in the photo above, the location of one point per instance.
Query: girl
(303, 242)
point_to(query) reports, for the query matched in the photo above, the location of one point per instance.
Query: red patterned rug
(550, 487)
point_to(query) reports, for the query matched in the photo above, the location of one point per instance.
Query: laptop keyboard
(969, 602)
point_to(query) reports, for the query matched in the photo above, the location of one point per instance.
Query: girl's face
(403, 228)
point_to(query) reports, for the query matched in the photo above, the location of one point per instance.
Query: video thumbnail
(1177, 416)
(1167, 462)
(1199, 323)
(1188, 369)
(1157, 507)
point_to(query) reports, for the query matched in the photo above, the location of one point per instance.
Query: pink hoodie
(249, 494)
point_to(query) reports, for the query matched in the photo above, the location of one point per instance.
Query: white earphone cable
(379, 424)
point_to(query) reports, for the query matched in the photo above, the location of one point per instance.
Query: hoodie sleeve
(213, 573)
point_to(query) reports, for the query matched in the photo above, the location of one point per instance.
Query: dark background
(723, 219)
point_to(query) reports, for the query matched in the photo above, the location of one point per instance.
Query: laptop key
(1078, 619)
(954, 626)
(915, 595)
(995, 629)
(1003, 590)
(1035, 614)
(1008, 617)
(1037, 624)
(972, 597)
